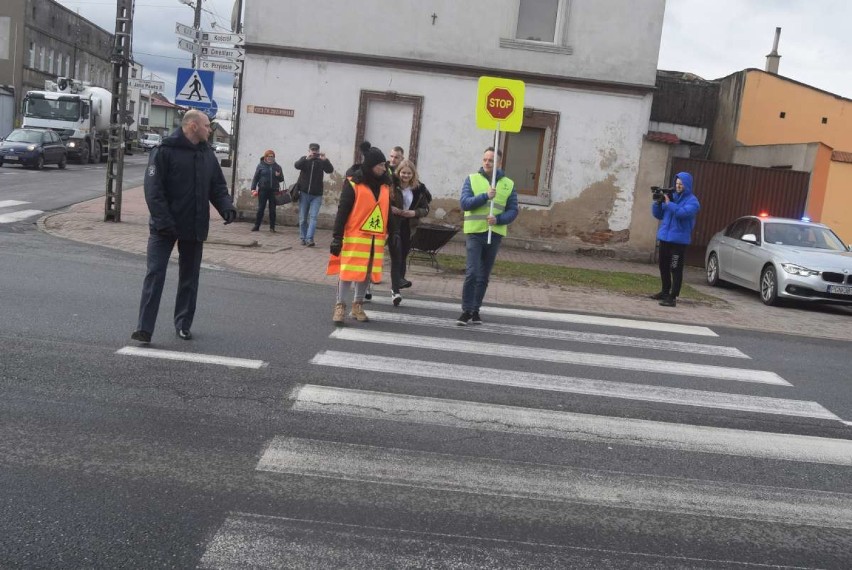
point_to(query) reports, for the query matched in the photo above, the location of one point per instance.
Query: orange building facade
(760, 109)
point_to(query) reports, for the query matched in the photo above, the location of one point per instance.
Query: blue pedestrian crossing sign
(194, 88)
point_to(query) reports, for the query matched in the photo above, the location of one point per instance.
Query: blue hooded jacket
(678, 216)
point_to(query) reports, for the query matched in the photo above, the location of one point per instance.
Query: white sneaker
(397, 299)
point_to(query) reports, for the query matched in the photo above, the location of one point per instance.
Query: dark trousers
(399, 256)
(480, 260)
(264, 196)
(671, 267)
(189, 268)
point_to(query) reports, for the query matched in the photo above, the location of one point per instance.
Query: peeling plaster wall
(595, 163)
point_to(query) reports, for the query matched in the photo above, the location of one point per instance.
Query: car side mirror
(750, 238)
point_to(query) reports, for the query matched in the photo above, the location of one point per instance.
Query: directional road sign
(190, 46)
(226, 53)
(187, 31)
(194, 88)
(220, 38)
(224, 66)
(146, 84)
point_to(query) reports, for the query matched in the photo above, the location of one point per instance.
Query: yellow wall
(765, 96)
(819, 183)
(838, 200)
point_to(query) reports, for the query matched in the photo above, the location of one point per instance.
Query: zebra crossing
(11, 211)
(380, 353)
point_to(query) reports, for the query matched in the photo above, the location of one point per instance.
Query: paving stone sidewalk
(281, 256)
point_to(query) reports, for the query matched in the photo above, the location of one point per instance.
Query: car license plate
(10, 157)
(840, 289)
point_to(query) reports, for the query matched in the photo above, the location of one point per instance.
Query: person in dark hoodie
(361, 228)
(265, 185)
(476, 197)
(311, 168)
(182, 179)
(678, 215)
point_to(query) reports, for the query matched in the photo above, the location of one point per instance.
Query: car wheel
(769, 286)
(713, 270)
(39, 163)
(63, 162)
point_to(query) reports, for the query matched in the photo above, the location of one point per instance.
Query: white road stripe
(192, 357)
(10, 203)
(567, 335)
(542, 482)
(248, 540)
(562, 356)
(560, 317)
(572, 426)
(534, 381)
(18, 216)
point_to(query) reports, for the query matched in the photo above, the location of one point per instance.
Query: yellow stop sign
(500, 104)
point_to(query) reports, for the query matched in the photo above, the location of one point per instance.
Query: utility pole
(121, 56)
(235, 106)
(196, 23)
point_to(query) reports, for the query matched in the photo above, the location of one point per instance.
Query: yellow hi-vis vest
(363, 236)
(476, 220)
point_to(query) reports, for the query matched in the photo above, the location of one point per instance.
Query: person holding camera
(311, 168)
(677, 209)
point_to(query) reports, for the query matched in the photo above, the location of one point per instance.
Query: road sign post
(499, 106)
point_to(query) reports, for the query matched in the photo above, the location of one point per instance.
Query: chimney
(773, 58)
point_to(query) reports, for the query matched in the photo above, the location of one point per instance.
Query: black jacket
(265, 176)
(181, 181)
(311, 172)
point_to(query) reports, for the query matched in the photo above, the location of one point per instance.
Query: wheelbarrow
(427, 241)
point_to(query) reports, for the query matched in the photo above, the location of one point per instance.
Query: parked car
(33, 148)
(150, 140)
(782, 259)
(221, 148)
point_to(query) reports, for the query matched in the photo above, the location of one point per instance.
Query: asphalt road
(536, 440)
(25, 194)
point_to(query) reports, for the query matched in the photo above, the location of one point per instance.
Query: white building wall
(609, 40)
(599, 138)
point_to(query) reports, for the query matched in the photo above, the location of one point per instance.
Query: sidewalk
(280, 256)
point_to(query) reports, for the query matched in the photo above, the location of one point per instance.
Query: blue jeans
(480, 260)
(309, 207)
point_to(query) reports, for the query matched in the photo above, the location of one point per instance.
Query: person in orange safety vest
(361, 228)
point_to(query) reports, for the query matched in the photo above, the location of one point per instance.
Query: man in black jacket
(182, 179)
(311, 167)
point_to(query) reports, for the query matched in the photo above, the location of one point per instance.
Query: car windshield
(25, 136)
(53, 109)
(154, 138)
(803, 236)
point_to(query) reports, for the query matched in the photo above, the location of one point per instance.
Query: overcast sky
(710, 38)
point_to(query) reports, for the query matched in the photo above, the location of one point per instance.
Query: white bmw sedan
(782, 259)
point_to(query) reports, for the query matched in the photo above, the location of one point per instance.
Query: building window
(34, 11)
(537, 20)
(68, 65)
(50, 55)
(528, 156)
(782, 115)
(32, 54)
(133, 72)
(41, 51)
(825, 120)
(540, 25)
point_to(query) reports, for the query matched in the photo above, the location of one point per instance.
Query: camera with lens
(658, 193)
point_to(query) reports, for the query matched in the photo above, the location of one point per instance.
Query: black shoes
(184, 334)
(311, 243)
(404, 284)
(475, 319)
(464, 318)
(659, 296)
(397, 299)
(272, 230)
(142, 336)
(255, 229)
(669, 301)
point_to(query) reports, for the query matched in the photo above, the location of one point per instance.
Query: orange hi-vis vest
(363, 236)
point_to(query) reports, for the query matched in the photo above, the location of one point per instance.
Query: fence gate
(727, 191)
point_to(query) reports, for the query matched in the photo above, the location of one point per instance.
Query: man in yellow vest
(476, 197)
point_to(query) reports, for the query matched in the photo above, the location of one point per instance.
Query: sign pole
(494, 175)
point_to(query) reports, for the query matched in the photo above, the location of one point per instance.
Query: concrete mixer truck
(78, 112)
